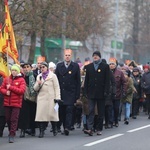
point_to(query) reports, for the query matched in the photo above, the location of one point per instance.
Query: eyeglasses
(42, 67)
(67, 55)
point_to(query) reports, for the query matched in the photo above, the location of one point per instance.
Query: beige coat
(45, 99)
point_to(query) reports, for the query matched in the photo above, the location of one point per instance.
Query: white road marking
(138, 128)
(103, 140)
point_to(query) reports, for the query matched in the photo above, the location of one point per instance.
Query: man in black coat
(96, 85)
(68, 74)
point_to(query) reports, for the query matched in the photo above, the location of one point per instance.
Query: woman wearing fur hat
(132, 65)
(48, 89)
(13, 89)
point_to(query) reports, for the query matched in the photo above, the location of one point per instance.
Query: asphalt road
(135, 136)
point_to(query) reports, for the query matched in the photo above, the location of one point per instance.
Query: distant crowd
(92, 95)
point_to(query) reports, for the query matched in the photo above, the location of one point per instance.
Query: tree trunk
(32, 47)
(43, 51)
(136, 32)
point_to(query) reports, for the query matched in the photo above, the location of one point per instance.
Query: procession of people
(94, 95)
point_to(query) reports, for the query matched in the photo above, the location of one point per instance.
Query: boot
(54, 127)
(41, 128)
(33, 132)
(22, 133)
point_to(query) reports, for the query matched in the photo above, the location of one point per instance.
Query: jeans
(127, 110)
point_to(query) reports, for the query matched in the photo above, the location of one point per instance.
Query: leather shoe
(99, 133)
(133, 117)
(89, 132)
(66, 131)
(116, 125)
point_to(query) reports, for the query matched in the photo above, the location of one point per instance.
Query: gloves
(56, 100)
(59, 101)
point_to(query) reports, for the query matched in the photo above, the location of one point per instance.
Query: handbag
(28, 96)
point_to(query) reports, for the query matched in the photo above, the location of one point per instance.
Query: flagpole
(3, 26)
(7, 64)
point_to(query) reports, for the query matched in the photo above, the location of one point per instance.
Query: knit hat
(136, 69)
(125, 67)
(44, 64)
(146, 66)
(16, 67)
(112, 61)
(97, 53)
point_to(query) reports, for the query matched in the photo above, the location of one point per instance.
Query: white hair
(52, 65)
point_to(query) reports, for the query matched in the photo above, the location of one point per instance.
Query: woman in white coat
(48, 89)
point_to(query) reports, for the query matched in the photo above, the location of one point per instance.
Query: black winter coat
(137, 85)
(145, 82)
(69, 81)
(97, 83)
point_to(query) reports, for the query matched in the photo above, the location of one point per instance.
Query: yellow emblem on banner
(69, 72)
(99, 70)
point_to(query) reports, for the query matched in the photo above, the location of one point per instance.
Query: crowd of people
(94, 94)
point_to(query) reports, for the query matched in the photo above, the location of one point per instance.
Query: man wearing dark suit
(97, 83)
(37, 71)
(68, 74)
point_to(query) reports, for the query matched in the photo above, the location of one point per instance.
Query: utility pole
(63, 33)
(116, 27)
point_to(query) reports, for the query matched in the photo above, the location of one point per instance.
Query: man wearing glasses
(68, 74)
